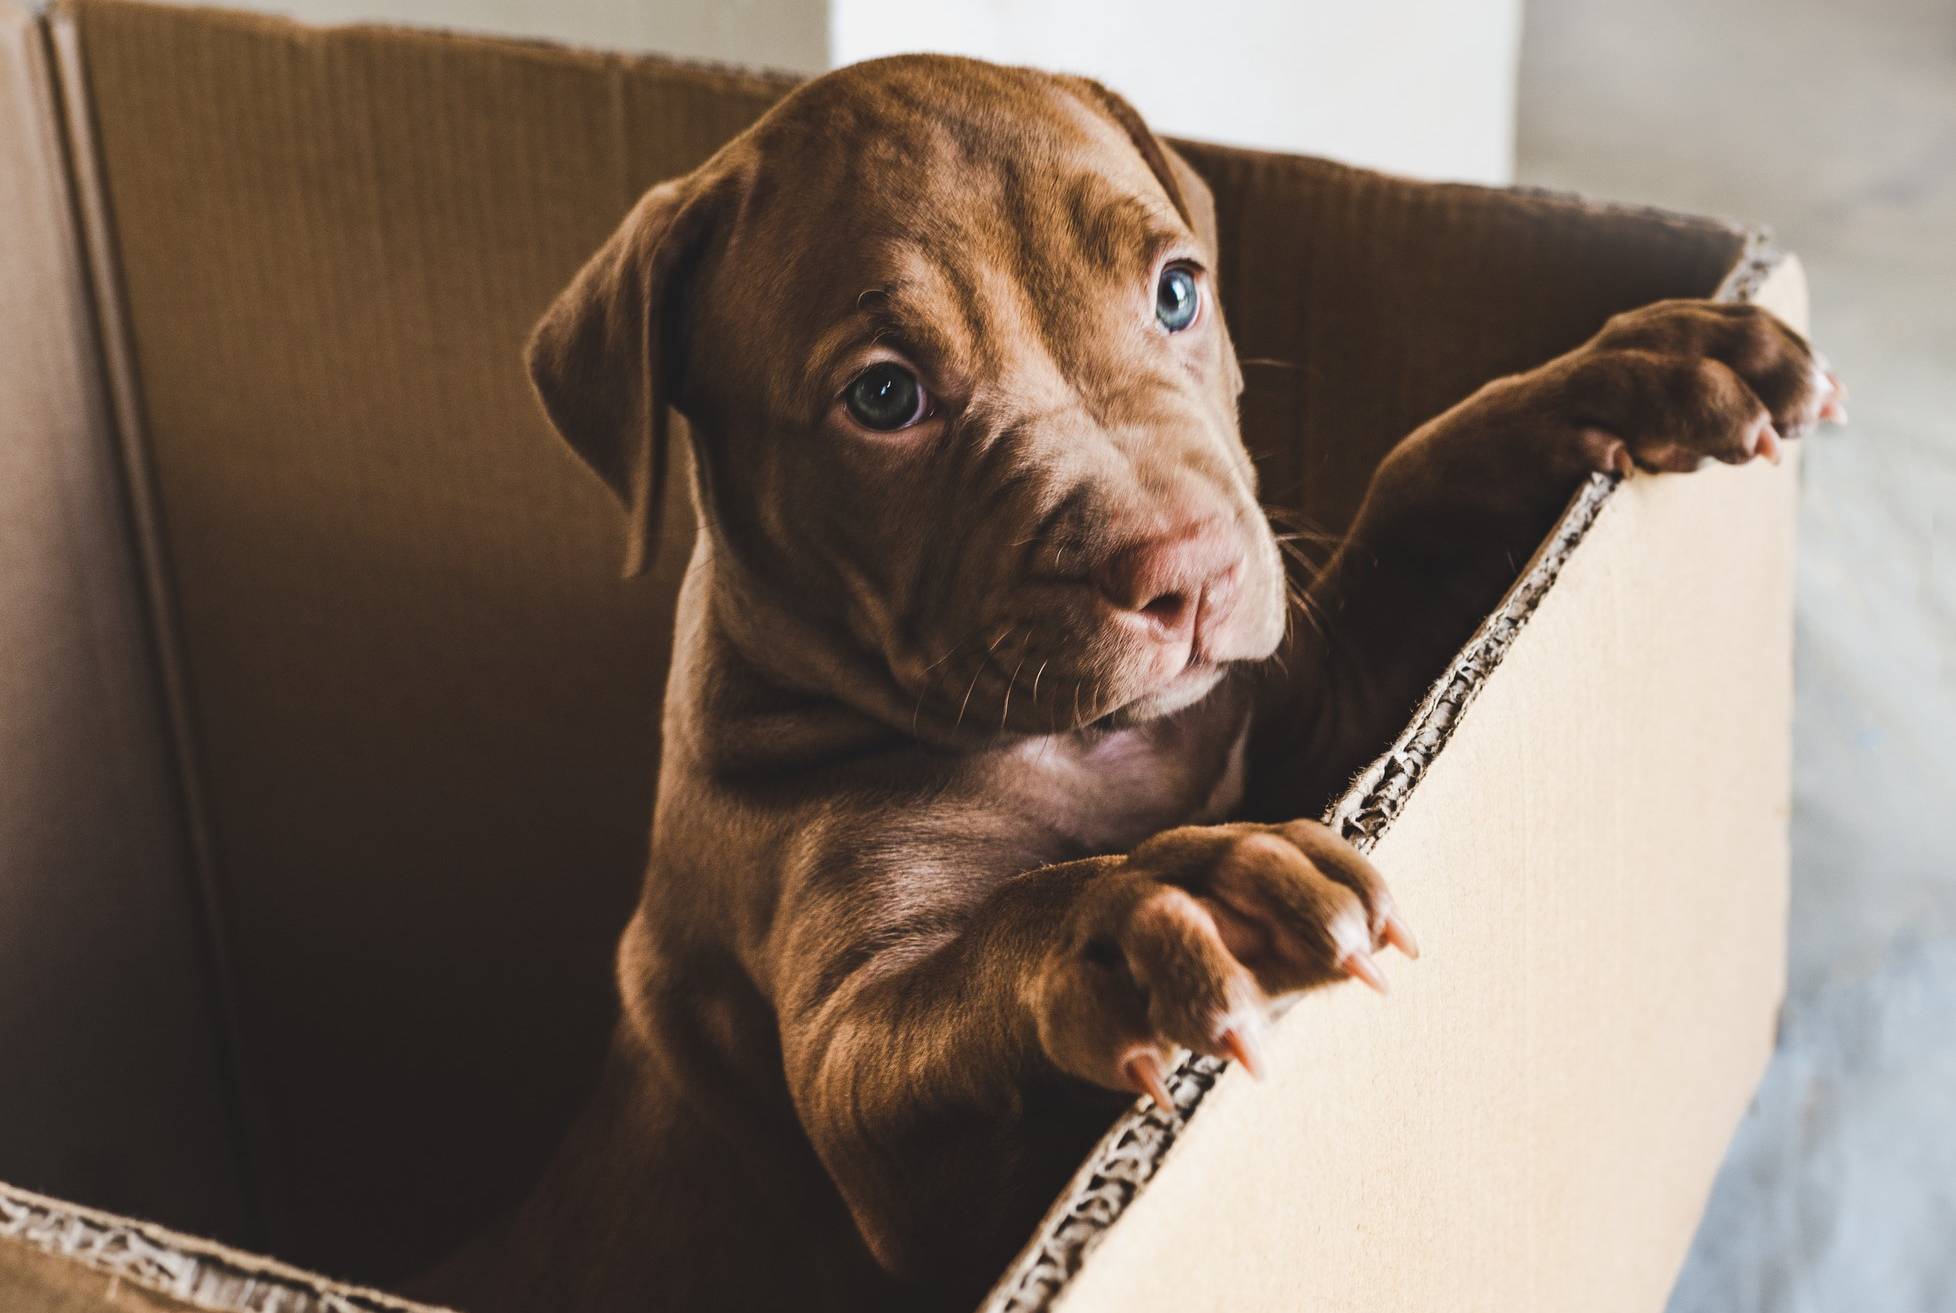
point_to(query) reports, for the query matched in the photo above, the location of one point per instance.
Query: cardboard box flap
(422, 710)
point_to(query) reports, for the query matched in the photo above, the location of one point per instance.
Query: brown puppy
(978, 789)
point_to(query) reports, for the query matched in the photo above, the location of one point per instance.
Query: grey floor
(1836, 124)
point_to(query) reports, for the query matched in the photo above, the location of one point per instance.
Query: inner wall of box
(419, 709)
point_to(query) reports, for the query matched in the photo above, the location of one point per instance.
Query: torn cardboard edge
(200, 1273)
(1133, 1151)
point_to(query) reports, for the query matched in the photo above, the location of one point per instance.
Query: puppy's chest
(1114, 791)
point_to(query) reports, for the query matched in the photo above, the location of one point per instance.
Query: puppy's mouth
(1065, 657)
(1041, 677)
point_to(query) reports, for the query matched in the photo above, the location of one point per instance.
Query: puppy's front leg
(1458, 506)
(931, 1062)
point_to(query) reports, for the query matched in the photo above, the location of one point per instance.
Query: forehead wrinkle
(1116, 230)
(1005, 271)
(938, 302)
(1041, 272)
(891, 312)
(1001, 272)
(1106, 229)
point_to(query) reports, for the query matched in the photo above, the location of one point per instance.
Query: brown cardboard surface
(51, 1283)
(424, 708)
(109, 1038)
(416, 708)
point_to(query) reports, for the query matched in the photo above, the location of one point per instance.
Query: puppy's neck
(760, 684)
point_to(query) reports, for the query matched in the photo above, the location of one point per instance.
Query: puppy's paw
(1669, 385)
(1188, 942)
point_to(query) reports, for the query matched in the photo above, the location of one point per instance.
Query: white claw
(1144, 1073)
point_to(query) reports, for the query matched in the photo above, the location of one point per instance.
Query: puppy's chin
(1184, 690)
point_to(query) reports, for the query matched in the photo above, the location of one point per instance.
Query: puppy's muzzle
(1178, 588)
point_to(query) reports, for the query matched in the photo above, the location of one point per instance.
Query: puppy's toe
(1314, 925)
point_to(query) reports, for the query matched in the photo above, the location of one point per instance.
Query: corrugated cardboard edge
(1133, 1151)
(197, 1272)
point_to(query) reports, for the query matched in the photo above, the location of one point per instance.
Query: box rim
(198, 1272)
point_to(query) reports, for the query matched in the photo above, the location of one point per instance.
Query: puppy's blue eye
(1176, 298)
(886, 397)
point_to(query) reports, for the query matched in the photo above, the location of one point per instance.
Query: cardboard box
(310, 889)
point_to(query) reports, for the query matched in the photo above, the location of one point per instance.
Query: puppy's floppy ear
(603, 358)
(1186, 190)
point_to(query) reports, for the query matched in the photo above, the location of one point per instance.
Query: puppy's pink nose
(1174, 579)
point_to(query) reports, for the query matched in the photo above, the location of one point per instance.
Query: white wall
(1416, 86)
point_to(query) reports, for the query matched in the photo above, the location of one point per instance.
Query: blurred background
(1834, 124)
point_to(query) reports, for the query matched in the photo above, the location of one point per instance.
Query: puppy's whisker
(1093, 703)
(924, 683)
(954, 649)
(916, 712)
(1313, 613)
(1308, 536)
(966, 704)
(1293, 518)
(1005, 711)
(1298, 602)
(977, 674)
(1324, 545)
(1305, 564)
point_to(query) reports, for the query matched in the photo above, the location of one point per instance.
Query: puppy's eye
(886, 397)
(1177, 298)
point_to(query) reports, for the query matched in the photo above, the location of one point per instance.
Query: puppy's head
(962, 399)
